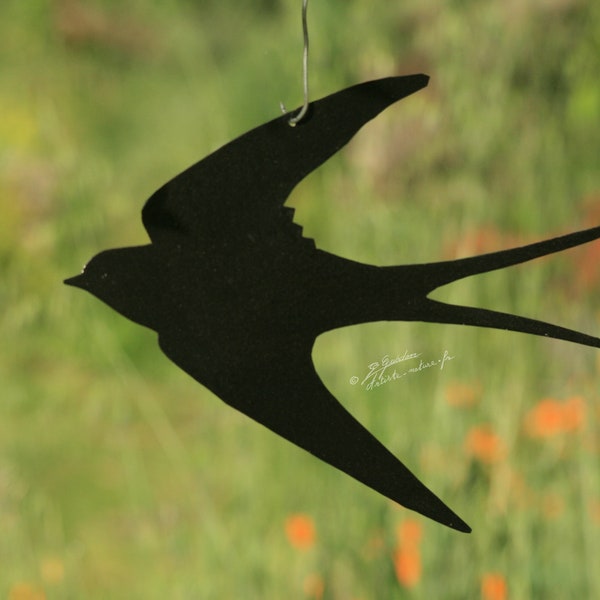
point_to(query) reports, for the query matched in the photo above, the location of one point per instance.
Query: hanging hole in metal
(297, 118)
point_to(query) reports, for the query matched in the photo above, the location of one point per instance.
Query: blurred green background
(120, 477)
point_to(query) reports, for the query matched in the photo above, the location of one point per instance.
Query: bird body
(238, 296)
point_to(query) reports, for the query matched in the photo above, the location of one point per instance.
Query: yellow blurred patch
(18, 127)
(52, 570)
(10, 216)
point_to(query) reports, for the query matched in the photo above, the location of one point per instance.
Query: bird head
(126, 280)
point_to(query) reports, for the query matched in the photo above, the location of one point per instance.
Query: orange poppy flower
(407, 565)
(409, 533)
(544, 420)
(551, 417)
(493, 587)
(300, 531)
(407, 557)
(486, 446)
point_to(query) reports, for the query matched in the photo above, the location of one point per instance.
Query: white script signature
(389, 368)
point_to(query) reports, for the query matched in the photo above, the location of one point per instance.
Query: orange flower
(409, 533)
(407, 565)
(462, 395)
(300, 531)
(551, 417)
(407, 558)
(544, 420)
(483, 444)
(493, 587)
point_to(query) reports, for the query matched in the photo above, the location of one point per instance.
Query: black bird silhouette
(238, 296)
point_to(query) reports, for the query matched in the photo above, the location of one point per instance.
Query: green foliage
(122, 478)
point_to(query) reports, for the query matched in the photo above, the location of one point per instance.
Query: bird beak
(77, 281)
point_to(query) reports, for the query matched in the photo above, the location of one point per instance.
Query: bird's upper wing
(239, 190)
(282, 391)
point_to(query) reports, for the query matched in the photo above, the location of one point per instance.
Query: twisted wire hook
(295, 120)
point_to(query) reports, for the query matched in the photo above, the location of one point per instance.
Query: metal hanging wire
(296, 119)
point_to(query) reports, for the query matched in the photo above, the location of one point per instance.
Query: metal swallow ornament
(238, 296)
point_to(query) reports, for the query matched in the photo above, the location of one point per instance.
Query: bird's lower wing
(287, 396)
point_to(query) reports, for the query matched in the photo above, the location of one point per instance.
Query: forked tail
(450, 271)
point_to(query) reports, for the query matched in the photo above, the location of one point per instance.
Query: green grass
(120, 477)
